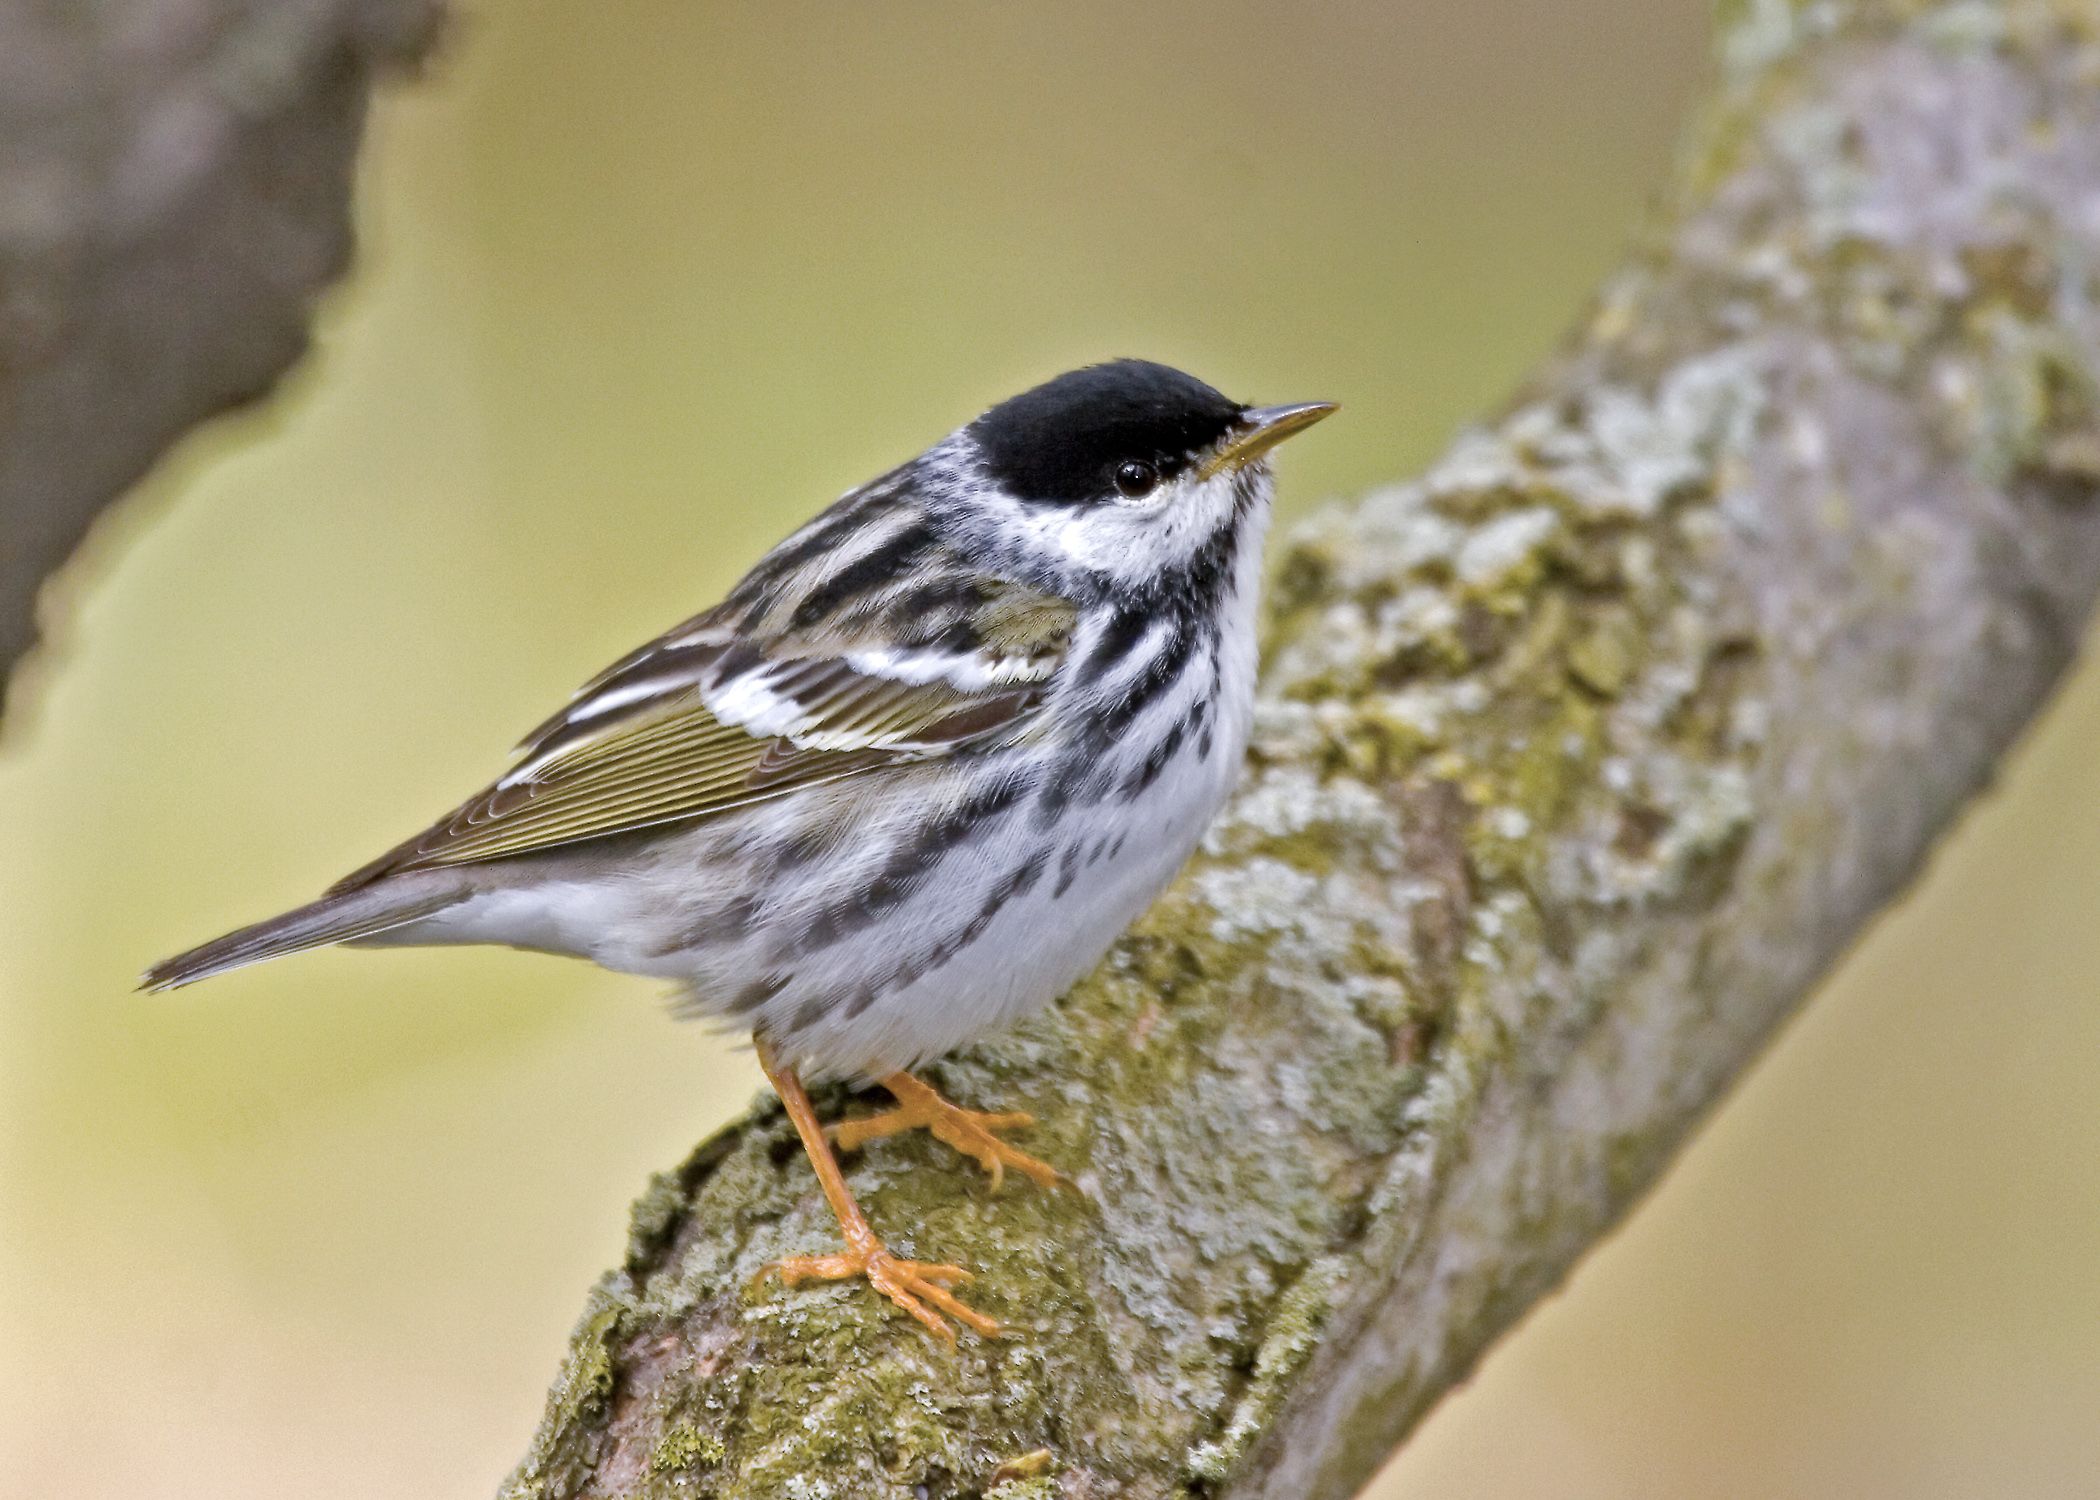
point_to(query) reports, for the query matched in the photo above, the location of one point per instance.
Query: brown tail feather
(332, 919)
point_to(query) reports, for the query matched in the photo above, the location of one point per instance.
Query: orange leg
(972, 1132)
(910, 1284)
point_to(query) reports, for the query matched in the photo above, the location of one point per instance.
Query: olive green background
(644, 282)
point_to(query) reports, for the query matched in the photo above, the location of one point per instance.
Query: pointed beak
(1262, 428)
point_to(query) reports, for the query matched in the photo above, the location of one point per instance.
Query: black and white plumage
(902, 786)
(918, 769)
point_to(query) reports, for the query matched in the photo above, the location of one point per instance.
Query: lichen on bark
(1577, 760)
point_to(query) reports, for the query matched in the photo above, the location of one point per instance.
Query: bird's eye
(1135, 479)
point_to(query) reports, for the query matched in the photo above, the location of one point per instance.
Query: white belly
(1039, 943)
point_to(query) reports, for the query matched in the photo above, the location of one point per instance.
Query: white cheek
(1135, 542)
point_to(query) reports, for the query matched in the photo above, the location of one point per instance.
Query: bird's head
(1121, 474)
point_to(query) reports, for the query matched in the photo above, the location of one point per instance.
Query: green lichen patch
(1288, 1341)
(1604, 656)
(2025, 399)
(686, 1447)
(576, 1406)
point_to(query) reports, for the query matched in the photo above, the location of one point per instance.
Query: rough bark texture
(1579, 760)
(174, 193)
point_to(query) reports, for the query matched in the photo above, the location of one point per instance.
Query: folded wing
(706, 719)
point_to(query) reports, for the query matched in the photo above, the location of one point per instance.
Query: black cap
(1062, 442)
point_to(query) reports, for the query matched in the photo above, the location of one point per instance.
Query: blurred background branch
(174, 195)
(1581, 758)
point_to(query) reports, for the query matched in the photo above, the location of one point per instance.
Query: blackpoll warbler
(905, 784)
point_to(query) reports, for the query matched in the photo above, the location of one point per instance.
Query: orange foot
(970, 1131)
(911, 1284)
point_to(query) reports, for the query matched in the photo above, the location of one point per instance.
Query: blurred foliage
(644, 282)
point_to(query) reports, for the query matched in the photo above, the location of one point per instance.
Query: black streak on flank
(1017, 883)
(1158, 675)
(1156, 762)
(1067, 871)
(908, 865)
(1061, 442)
(722, 924)
(1089, 770)
(1116, 641)
(757, 994)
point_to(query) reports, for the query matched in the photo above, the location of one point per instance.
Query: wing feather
(700, 721)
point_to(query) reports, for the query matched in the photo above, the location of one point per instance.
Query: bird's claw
(911, 1284)
(969, 1131)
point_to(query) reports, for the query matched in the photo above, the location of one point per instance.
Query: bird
(903, 786)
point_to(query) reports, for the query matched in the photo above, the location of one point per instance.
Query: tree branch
(174, 194)
(1578, 761)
